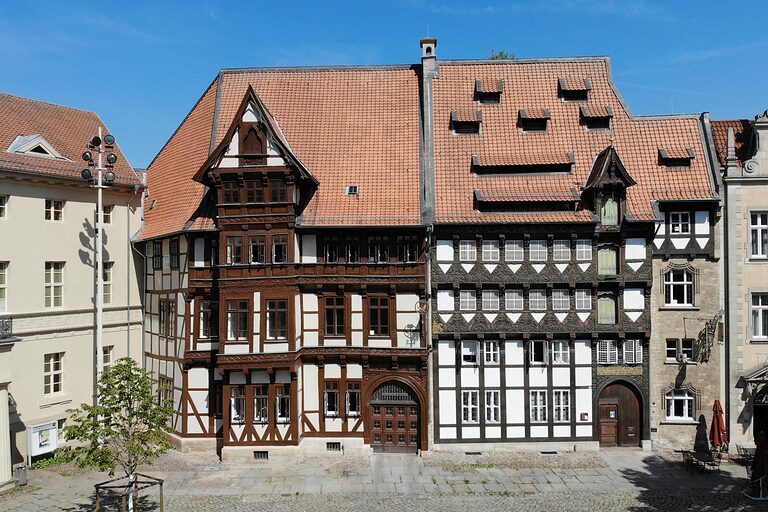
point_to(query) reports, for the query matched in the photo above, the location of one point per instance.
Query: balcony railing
(6, 327)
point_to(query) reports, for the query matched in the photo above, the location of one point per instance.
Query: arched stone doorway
(760, 412)
(395, 418)
(619, 416)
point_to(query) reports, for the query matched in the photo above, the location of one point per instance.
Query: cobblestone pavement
(610, 480)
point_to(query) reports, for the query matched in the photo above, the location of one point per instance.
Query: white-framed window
(107, 279)
(680, 223)
(468, 352)
(490, 300)
(491, 352)
(561, 405)
(560, 352)
(607, 260)
(3, 206)
(106, 213)
(467, 300)
(106, 357)
(686, 349)
(633, 351)
(3, 286)
(54, 284)
(261, 404)
(606, 309)
(607, 352)
(680, 405)
(583, 299)
(53, 373)
(537, 352)
(206, 319)
(492, 406)
(671, 350)
(490, 250)
(236, 402)
(54, 210)
(759, 228)
(537, 300)
(537, 250)
(469, 406)
(680, 350)
(354, 405)
(237, 320)
(561, 250)
(513, 250)
(759, 313)
(467, 250)
(513, 300)
(538, 401)
(331, 399)
(584, 250)
(283, 404)
(561, 299)
(678, 288)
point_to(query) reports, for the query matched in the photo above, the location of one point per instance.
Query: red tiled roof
(573, 83)
(66, 129)
(597, 111)
(535, 83)
(465, 115)
(535, 113)
(524, 156)
(742, 131)
(676, 152)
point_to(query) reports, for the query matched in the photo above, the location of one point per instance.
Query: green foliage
(126, 429)
(60, 456)
(501, 55)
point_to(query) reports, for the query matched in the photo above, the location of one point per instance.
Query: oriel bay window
(254, 191)
(278, 191)
(279, 248)
(234, 250)
(258, 248)
(283, 404)
(230, 190)
(237, 320)
(334, 316)
(277, 319)
(261, 404)
(378, 315)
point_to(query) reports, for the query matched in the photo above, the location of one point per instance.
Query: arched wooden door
(619, 416)
(395, 419)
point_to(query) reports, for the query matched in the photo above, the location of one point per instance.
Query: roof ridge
(532, 60)
(34, 100)
(664, 117)
(307, 69)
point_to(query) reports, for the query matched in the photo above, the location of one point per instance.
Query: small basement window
(261, 455)
(333, 447)
(676, 157)
(533, 120)
(466, 123)
(352, 190)
(489, 92)
(574, 88)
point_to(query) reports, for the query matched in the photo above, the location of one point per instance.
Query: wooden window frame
(157, 255)
(561, 299)
(468, 297)
(106, 270)
(560, 352)
(561, 405)
(537, 406)
(238, 310)
(255, 238)
(331, 388)
(515, 297)
(561, 250)
(4, 265)
(584, 250)
(53, 373)
(470, 351)
(679, 220)
(267, 311)
(54, 210)
(490, 299)
(52, 285)
(379, 329)
(467, 250)
(274, 244)
(234, 249)
(278, 190)
(490, 352)
(541, 295)
(174, 251)
(538, 244)
(261, 405)
(335, 311)
(492, 406)
(490, 251)
(514, 250)
(470, 406)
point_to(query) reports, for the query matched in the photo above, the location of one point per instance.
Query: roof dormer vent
(533, 119)
(490, 91)
(676, 157)
(34, 145)
(595, 117)
(466, 121)
(571, 88)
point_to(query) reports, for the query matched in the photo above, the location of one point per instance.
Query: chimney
(429, 72)
(429, 54)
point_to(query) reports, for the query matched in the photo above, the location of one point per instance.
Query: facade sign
(43, 438)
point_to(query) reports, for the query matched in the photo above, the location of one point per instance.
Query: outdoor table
(702, 459)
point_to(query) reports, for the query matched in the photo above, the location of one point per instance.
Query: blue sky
(142, 65)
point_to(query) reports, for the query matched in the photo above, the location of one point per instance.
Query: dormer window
(489, 91)
(34, 145)
(595, 117)
(533, 119)
(352, 190)
(466, 122)
(609, 211)
(253, 144)
(545, 162)
(676, 157)
(572, 88)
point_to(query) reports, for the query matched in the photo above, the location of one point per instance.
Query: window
(163, 316)
(378, 312)
(584, 250)
(537, 250)
(469, 406)
(106, 358)
(237, 405)
(561, 250)
(378, 249)
(609, 213)
(207, 320)
(254, 191)
(561, 406)
(513, 250)
(513, 300)
(283, 404)
(231, 191)
(331, 249)
(54, 284)
(353, 250)
(492, 406)
(607, 352)
(679, 223)
(237, 320)
(261, 404)
(606, 310)
(606, 261)
(106, 213)
(469, 352)
(3, 286)
(258, 252)
(407, 249)
(671, 350)
(331, 399)
(53, 373)
(354, 405)
(491, 352)
(277, 319)
(633, 351)
(583, 299)
(3, 206)
(334, 316)
(490, 250)
(467, 250)
(560, 352)
(759, 312)
(54, 210)
(157, 255)
(561, 299)
(679, 405)
(106, 276)
(759, 228)
(490, 300)
(279, 248)
(174, 252)
(164, 390)
(537, 300)
(537, 352)
(278, 191)
(538, 400)
(678, 288)
(467, 300)
(686, 349)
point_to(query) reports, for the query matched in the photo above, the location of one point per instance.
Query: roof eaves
(77, 179)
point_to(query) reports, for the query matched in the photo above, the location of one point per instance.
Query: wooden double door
(394, 419)
(619, 416)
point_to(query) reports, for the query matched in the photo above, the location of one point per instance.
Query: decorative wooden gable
(606, 187)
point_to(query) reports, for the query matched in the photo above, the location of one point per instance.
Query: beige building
(47, 273)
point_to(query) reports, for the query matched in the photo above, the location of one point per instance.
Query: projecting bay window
(513, 250)
(538, 406)
(237, 405)
(254, 191)
(467, 300)
(237, 320)
(607, 257)
(467, 250)
(560, 352)
(54, 284)
(378, 249)
(277, 319)
(354, 405)
(334, 316)
(378, 316)
(561, 405)
(490, 251)
(561, 299)
(279, 248)
(469, 407)
(258, 249)
(537, 300)
(678, 288)
(407, 249)
(230, 191)
(583, 250)
(513, 300)
(583, 299)
(278, 191)
(607, 352)
(234, 250)
(759, 316)
(490, 300)
(561, 250)
(331, 399)
(492, 406)
(261, 404)
(283, 404)
(606, 309)
(759, 232)
(537, 250)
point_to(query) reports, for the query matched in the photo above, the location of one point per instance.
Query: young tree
(501, 55)
(127, 426)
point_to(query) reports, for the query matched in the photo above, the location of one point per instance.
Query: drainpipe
(730, 163)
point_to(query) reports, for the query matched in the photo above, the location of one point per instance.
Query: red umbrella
(717, 433)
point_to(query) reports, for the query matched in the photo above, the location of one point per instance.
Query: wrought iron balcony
(6, 327)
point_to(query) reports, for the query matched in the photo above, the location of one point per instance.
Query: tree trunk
(131, 479)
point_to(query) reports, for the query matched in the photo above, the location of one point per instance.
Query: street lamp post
(104, 179)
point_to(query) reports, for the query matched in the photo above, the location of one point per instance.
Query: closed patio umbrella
(718, 434)
(760, 462)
